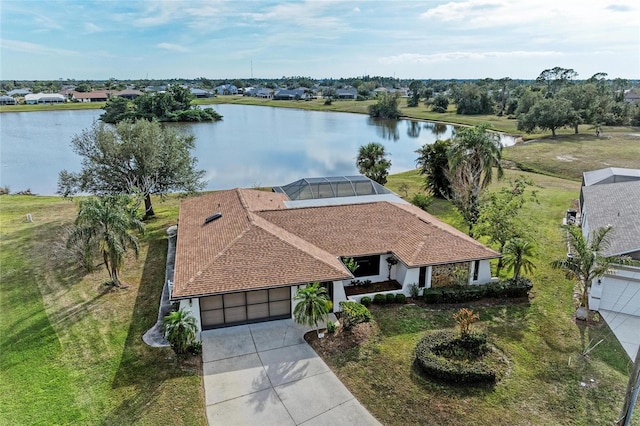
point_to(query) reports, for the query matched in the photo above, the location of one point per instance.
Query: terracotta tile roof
(240, 251)
(258, 243)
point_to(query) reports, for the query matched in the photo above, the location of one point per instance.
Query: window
(422, 279)
(367, 266)
(476, 270)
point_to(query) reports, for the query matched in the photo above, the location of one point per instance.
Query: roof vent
(213, 217)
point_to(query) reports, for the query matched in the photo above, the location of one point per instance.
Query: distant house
(226, 89)
(129, 94)
(259, 92)
(611, 197)
(632, 96)
(347, 93)
(19, 92)
(200, 93)
(241, 255)
(44, 98)
(293, 94)
(93, 96)
(7, 100)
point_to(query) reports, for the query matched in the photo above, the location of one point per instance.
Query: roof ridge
(411, 209)
(298, 242)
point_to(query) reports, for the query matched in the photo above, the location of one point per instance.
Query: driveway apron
(266, 374)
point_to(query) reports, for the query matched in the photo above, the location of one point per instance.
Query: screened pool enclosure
(331, 187)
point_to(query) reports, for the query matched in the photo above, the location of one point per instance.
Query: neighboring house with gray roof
(613, 199)
(241, 254)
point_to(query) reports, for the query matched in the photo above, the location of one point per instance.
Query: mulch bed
(340, 341)
(372, 288)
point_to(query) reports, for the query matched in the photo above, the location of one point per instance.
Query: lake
(251, 146)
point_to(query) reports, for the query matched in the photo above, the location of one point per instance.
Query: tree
(470, 99)
(555, 78)
(473, 154)
(498, 219)
(386, 107)
(440, 104)
(313, 305)
(433, 164)
(518, 253)
(134, 156)
(117, 109)
(180, 331)
(584, 102)
(547, 114)
(105, 223)
(372, 162)
(416, 87)
(586, 260)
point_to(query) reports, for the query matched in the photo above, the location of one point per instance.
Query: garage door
(245, 307)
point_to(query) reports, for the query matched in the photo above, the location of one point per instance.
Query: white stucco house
(611, 197)
(242, 254)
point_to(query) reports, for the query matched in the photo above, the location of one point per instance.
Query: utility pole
(631, 396)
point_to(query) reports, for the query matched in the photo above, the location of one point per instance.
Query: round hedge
(431, 359)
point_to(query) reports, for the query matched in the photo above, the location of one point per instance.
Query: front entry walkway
(266, 374)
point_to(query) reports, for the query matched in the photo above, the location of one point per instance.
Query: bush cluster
(354, 313)
(502, 290)
(379, 299)
(431, 358)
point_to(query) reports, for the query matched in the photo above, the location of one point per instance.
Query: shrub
(401, 298)
(431, 358)
(414, 291)
(502, 289)
(421, 200)
(464, 318)
(354, 313)
(331, 327)
(180, 331)
(366, 301)
(391, 298)
(379, 299)
(195, 348)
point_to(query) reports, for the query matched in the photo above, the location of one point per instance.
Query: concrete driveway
(266, 374)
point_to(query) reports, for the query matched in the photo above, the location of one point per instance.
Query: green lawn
(540, 339)
(71, 352)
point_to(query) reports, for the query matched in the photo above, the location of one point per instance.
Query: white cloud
(415, 58)
(25, 46)
(91, 28)
(172, 47)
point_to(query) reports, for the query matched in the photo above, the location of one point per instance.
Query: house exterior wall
(194, 309)
(617, 292)
(484, 273)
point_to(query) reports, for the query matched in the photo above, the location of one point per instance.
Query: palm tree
(372, 162)
(313, 305)
(517, 256)
(586, 261)
(180, 330)
(478, 149)
(105, 224)
(473, 154)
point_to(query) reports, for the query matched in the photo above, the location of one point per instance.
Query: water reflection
(252, 146)
(386, 129)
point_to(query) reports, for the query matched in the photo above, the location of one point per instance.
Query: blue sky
(408, 39)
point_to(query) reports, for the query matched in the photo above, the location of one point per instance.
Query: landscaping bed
(354, 290)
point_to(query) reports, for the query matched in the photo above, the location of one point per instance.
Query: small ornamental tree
(313, 305)
(464, 318)
(180, 331)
